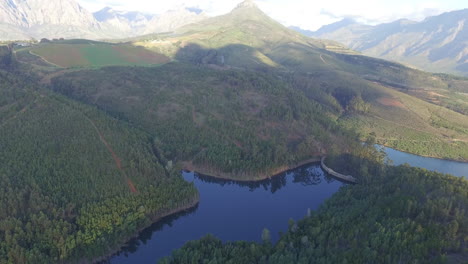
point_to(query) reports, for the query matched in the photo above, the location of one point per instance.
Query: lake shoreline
(234, 210)
(194, 202)
(113, 252)
(258, 178)
(189, 166)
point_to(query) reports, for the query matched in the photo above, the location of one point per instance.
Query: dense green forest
(398, 215)
(241, 123)
(74, 183)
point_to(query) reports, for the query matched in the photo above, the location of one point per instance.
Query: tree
(266, 237)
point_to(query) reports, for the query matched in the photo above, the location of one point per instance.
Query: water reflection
(147, 234)
(233, 210)
(308, 174)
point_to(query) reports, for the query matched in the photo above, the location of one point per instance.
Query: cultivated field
(97, 54)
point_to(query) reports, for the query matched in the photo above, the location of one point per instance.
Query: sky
(307, 14)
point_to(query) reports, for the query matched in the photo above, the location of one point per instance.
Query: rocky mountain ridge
(28, 19)
(438, 43)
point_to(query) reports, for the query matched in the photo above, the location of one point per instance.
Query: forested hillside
(407, 109)
(74, 183)
(390, 217)
(233, 123)
(241, 124)
(90, 156)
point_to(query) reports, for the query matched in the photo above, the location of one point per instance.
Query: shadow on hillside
(294, 58)
(230, 56)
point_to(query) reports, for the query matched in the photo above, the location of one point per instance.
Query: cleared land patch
(390, 102)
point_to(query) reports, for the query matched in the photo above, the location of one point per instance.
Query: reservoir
(241, 210)
(234, 211)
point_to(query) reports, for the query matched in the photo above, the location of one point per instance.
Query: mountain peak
(104, 14)
(248, 10)
(247, 4)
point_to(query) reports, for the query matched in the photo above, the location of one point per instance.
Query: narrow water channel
(443, 166)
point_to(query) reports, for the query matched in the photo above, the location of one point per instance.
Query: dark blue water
(444, 166)
(240, 211)
(234, 211)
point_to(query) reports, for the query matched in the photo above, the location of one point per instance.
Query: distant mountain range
(26, 19)
(137, 23)
(438, 43)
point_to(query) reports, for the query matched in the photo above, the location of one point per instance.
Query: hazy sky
(308, 14)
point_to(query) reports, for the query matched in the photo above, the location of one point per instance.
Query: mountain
(230, 120)
(92, 145)
(48, 19)
(173, 19)
(31, 13)
(129, 22)
(10, 32)
(108, 13)
(26, 19)
(368, 94)
(245, 37)
(137, 23)
(344, 23)
(334, 26)
(438, 44)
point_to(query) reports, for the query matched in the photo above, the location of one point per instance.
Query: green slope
(248, 39)
(74, 183)
(232, 123)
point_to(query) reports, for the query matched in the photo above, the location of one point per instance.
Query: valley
(94, 135)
